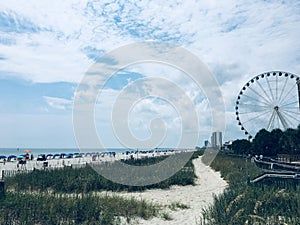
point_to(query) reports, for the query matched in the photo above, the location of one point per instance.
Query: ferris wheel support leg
(282, 120)
(271, 120)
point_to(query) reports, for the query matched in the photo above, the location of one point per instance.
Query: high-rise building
(216, 139)
(206, 143)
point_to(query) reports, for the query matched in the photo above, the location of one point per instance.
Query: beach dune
(196, 197)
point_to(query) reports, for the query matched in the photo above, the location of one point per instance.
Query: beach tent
(2, 158)
(49, 156)
(11, 157)
(56, 156)
(77, 155)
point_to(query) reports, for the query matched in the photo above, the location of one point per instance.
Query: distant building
(227, 145)
(206, 143)
(216, 139)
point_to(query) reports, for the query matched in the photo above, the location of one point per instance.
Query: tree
(276, 136)
(241, 146)
(262, 143)
(290, 141)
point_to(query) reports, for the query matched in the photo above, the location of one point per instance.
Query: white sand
(196, 197)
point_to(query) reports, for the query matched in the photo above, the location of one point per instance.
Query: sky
(47, 47)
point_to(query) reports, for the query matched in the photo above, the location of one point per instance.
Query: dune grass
(72, 180)
(242, 203)
(23, 208)
(70, 196)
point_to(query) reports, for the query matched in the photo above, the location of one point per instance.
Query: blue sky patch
(121, 79)
(20, 96)
(92, 53)
(10, 22)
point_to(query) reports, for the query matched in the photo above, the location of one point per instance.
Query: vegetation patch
(270, 143)
(67, 196)
(242, 203)
(19, 208)
(177, 205)
(85, 180)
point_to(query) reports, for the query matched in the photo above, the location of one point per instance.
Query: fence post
(2, 189)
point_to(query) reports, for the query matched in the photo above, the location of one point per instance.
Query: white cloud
(237, 39)
(58, 103)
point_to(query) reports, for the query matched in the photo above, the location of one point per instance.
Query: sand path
(195, 197)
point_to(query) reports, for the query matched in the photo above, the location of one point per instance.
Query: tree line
(270, 143)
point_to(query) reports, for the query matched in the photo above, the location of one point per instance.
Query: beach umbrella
(21, 157)
(70, 155)
(2, 157)
(27, 151)
(56, 155)
(12, 156)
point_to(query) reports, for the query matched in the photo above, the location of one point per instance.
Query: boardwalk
(276, 165)
(277, 170)
(276, 175)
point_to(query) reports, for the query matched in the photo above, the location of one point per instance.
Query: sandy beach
(195, 198)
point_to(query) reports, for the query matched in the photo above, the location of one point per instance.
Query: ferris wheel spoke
(259, 95)
(261, 87)
(256, 117)
(288, 93)
(282, 90)
(254, 111)
(269, 86)
(256, 100)
(288, 100)
(260, 106)
(291, 103)
(291, 114)
(288, 111)
(294, 109)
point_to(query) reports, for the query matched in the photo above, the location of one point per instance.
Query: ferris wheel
(270, 100)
